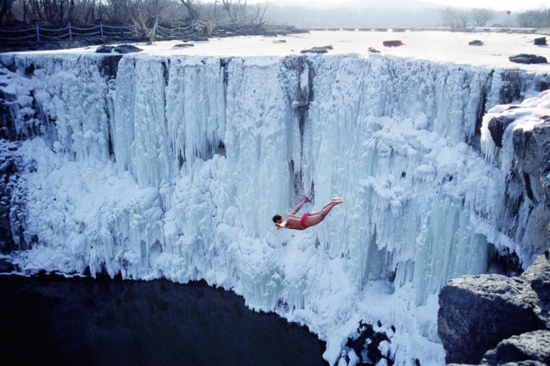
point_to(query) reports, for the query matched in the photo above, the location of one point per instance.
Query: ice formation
(172, 166)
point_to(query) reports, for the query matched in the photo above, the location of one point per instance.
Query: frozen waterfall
(172, 166)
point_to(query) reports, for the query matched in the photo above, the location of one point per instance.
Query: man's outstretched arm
(299, 207)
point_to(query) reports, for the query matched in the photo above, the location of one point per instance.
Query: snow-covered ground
(426, 45)
(174, 169)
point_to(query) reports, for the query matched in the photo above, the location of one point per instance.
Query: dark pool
(82, 321)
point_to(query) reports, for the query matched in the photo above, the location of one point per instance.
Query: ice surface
(174, 169)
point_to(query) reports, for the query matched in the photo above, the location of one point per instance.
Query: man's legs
(317, 217)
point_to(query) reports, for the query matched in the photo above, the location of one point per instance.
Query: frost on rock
(172, 167)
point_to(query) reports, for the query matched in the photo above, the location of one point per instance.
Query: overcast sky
(511, 5)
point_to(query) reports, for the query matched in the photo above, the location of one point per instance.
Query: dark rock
(476, 42)
(395, 43)
(540, 41)
(497, 126)
(373, 50)
(279, 41)
(365, 343)
(104, 49)
(183, 45)
(323, 49)
(541, 134)
(477, 312)
(127, 48)
(5, 266)
(532, 346)
(538, 277)
(524, 58)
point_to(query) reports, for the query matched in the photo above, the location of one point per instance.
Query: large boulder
(127, 48)
(527, 347)
(497, 316)
(477, 312)
(524, 58)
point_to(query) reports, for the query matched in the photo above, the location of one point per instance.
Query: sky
(495, 4)
(512, 5)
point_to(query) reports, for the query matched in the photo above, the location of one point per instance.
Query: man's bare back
(291, 221)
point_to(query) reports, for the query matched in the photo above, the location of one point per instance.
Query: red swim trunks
(303, 220)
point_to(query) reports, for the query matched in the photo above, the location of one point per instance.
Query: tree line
(147, 13)
(461, 18)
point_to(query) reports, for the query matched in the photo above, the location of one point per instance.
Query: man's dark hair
(276, 218)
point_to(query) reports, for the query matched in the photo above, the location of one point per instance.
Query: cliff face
(149, 166)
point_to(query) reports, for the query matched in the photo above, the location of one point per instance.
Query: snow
(448, 47)
(174, 169)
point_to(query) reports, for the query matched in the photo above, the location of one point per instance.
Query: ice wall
(173, 166)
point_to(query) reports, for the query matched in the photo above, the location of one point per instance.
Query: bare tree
(5, 9)
(534, 18)
(148, 13)
(236, 10)
(259, 14)
(482, 16)
(455, 18)
(190, 6)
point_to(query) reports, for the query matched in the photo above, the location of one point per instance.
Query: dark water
(49, 319)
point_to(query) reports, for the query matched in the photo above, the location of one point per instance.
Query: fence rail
(102, 30)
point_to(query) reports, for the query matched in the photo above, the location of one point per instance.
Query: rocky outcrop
(524, 58)
(495, 319)
(540, 41)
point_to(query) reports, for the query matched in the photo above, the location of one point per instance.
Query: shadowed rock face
(497, 316)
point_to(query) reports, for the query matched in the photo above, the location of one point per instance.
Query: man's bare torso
(293, 222)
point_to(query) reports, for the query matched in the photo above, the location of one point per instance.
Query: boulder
(373, 50)
(538, 277)
(540, 41)
(104, 49)
(524, 58)
(524, 348)
(183, 45)
(127, 48)
(395, 43)
(475, 42)
(477, 312)
(323, 49)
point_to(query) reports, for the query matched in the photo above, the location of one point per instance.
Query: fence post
(135, 28)
(192, 27)
(101, 28)
(157, 31)
(37, 33)
(70, 33)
